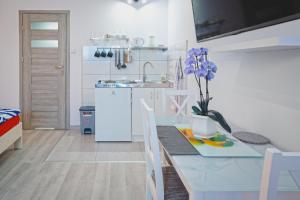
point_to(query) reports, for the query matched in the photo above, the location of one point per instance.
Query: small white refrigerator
(113, 114)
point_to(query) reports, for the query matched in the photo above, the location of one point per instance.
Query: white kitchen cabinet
(158, 101)
(113, 114)
(153, 97)
(137, 94)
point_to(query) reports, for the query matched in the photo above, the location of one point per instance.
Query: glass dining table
(227, 178)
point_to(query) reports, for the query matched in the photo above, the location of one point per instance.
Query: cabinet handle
(59, 67)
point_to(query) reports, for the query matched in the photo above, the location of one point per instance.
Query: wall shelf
(265, 44)
(159, 48)
(150, 48)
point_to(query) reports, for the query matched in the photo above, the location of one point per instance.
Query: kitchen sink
(136, 84)
(119, 81)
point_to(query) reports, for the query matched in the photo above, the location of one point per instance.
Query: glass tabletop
(222, 174)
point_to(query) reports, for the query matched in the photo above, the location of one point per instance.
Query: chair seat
(173, 186)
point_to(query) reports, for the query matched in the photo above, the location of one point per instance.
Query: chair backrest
(276, 161)
(152, 153)
(179, 98)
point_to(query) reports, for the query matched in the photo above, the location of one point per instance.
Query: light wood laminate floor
(38, 171)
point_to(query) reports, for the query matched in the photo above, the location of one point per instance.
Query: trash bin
(87, 119)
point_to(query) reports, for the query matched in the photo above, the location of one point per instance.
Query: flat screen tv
(219, 18)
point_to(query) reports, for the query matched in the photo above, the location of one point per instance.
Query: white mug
(151, 42)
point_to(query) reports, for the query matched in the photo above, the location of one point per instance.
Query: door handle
(59, 67)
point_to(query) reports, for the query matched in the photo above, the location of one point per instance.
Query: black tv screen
(218, 18)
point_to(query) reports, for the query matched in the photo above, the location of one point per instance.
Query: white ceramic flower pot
(203, 126)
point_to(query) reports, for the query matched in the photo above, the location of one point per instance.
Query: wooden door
(44, 70)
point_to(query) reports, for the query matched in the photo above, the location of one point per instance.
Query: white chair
(161, 183)
(276, 161)
(173, 95)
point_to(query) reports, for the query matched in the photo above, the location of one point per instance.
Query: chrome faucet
(144, 70)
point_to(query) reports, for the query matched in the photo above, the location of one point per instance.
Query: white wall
(99, 16)
(257, 91)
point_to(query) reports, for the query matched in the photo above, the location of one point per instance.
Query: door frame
(67, 67)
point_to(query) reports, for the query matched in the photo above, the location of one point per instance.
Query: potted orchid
(202, 69)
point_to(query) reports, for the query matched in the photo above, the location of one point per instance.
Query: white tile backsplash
(135, 55)
(92, 65)
(125, 77)
(89, 81)
(132, 68)
(153, 77)
(88, 53)
(150, 55)
(96, 67)
(159, 67)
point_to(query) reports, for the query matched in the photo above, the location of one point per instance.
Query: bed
(10, 129)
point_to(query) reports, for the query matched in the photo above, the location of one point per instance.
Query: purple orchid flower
(197, 52)
(197, 63)
(189, 70)
(213, 67)
(204, 51)
(205, 64)
(210, 76)
(191, 52)
(201, 72)
(202, 59)
(190, 61)
(194, 52)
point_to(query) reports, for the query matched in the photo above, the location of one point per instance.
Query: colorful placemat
(221, 145)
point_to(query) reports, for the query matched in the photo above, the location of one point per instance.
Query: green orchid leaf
(206, 105)
(196, 110)
(228, 143)
(215, 115)
(203, 107)
(199, 104)
(219, 138)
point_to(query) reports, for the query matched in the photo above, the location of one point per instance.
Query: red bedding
(9, 124)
